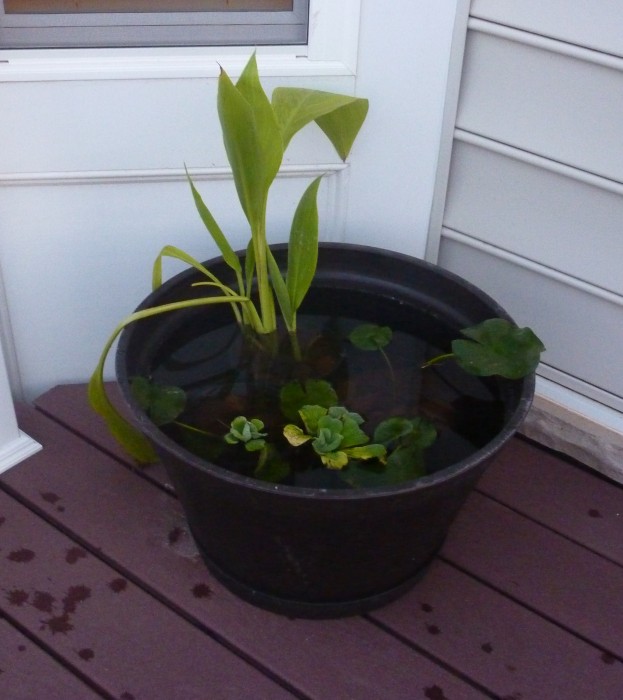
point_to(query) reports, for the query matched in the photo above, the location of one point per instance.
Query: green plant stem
(192, 428)
(261, 459)
(437, 359)
(295, 345)
(267, 302)
(391, 372)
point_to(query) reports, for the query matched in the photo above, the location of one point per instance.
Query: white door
(93, 145)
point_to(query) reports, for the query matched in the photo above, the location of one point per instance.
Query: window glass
(77, 6)
(109, 23)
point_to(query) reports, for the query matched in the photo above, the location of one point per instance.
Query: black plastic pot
(312, 552)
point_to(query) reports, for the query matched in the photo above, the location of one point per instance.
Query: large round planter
(313, 552)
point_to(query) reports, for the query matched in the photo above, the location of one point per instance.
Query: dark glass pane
(81, 6)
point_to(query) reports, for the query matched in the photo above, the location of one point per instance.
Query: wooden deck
(104, 596)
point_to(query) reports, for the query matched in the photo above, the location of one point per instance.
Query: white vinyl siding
(533, 211)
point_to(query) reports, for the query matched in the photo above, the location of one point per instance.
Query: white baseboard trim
(578, 427)
(17, 450)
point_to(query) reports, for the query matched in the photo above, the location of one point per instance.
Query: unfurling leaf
(339, 116)
(246, 432)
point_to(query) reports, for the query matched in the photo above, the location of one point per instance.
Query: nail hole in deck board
(86, 654)
(50, 497)
(433, 629)
(21, 647)
(59, 624)
(118, 585)
(44, 602)
(75, 595)
(608, 658)
(202, 590)
(435, 693)
(487, 648)
(17, 597)
(426, 607)
(175, 535)
(73, 554)
(21, 556)
(594, 513)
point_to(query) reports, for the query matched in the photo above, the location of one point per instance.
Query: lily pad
(370, 336)
(295, 395)
(163, 404)
(497, 347)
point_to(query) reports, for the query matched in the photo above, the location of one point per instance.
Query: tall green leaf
(343, 124)
(171, 251)
(303, 246)
(252, 139)
(296, 107)
(229, 256)
(131, 439)
(281, 292)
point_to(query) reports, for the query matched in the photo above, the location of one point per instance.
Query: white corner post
(15, 445)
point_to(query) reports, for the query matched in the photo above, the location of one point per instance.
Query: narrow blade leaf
(229, 256)
(281, 291)
(303, 246)
(131, 439)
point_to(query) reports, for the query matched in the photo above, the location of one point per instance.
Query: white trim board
(16, 451)
(99, 177)
(578, 427)
(331, 50)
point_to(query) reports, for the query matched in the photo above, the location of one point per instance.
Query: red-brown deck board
(524, 601)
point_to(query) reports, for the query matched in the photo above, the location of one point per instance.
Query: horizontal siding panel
(594, 25)
(544, 102)
(579, 329)
(562, 222)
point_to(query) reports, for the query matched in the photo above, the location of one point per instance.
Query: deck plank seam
(532, 609)
(549, 528)
(152, 592)
(457, 673)
(126, 463)
(52, 653)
